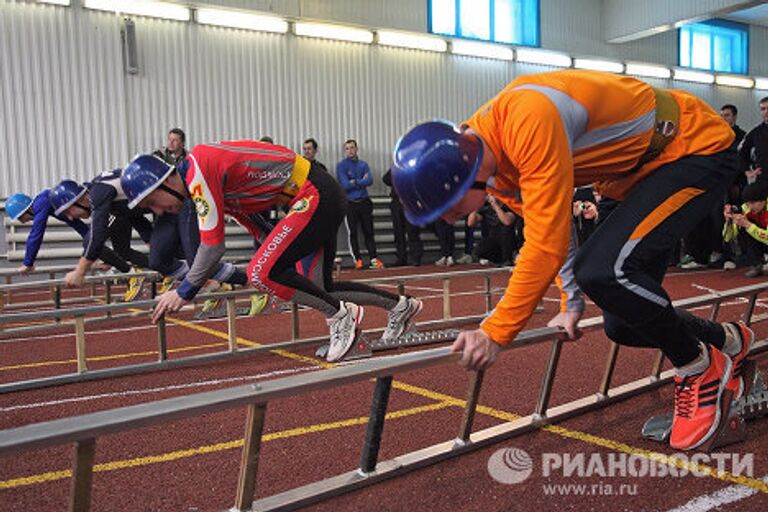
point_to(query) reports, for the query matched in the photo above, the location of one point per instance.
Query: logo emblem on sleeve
(202, 207)
(301, 205)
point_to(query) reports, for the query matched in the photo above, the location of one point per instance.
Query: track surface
(192, 465)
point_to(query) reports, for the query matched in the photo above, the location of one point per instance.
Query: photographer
(585, 214)
(502, 232)
(753, 218)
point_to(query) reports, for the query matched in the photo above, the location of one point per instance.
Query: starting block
(753, 404)
(365, 347)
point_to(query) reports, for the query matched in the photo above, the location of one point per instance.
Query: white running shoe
(449, 261)
(441, 262)
(464, 260)
(345, 330)
(401, 318)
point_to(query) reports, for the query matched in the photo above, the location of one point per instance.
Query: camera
(736, 209)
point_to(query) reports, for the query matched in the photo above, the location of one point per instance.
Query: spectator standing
(753, 151)
(309, 151)
(175, 150)
(403, 229)
(355, 177)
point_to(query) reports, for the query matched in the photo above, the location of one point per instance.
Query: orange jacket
(553, 131)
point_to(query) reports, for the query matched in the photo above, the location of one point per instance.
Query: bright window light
(543, 57)
(485, 50)
(694, 76)
(761, 83)
(406, 40)
(54, 2)
(149, 8)
(442, 17)
(237, 19)
(498, 21)
(599, 65)
(735, 81)
(715, 45)
(328, 31)
(639, 69)
(475, 19)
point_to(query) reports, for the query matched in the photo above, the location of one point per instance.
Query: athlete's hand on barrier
(167, 303)
(569, 321)
(478, 350)
(24, 270)
(74, 279)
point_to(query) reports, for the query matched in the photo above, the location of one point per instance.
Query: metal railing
(82, 315)
(84, 430)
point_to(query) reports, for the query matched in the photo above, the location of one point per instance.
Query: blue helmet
(17, 204)
(142, 176)
(64, 195)
(435, 164)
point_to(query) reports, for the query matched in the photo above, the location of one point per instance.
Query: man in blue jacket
(355, 177)
(23, 208)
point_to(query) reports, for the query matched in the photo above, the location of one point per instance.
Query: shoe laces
(685, 397)
(338, 324)
(396, 315)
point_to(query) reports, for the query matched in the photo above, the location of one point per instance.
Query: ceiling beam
(628, 20)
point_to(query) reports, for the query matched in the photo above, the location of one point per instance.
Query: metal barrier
(84, 430)
(79, 316)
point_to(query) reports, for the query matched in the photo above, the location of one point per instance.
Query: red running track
(192, 465)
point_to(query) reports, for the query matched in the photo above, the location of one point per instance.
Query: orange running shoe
(737, 384)
(376, 264)
(359, 264)
(697, 402)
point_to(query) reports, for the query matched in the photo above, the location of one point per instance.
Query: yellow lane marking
(200, 450)
(595, 440)
(108, 358)
(248, 343)
(443, 401)
(508, 416)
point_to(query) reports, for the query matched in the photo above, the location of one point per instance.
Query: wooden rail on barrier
(84, 430)
(140, 308)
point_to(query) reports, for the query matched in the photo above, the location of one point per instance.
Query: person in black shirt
(502, 232)
(309, 151)
(753, 151)
(403, 229)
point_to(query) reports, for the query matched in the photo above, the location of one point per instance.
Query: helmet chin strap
(175, 194)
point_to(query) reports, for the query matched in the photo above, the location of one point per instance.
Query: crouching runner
(664, 154)
(241, 179)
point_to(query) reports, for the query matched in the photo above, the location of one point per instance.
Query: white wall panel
(68, 109)
(60, 95)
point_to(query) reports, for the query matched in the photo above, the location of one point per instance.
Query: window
(500, 21)
(715, 45)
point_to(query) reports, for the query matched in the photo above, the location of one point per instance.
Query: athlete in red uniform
(241, 179)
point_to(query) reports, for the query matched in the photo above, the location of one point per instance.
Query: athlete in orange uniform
(664, 154)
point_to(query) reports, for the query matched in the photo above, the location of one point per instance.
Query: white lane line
(719, 498)
(215, 382)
